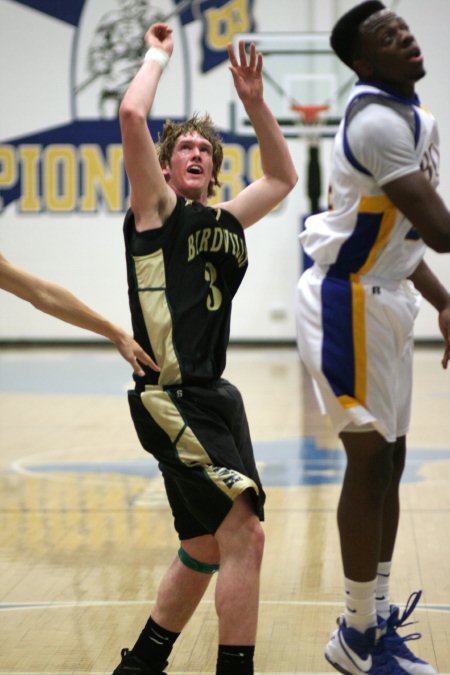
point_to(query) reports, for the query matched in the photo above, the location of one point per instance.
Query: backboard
(299, 69)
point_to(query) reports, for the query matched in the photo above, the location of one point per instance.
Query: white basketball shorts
(356, 340)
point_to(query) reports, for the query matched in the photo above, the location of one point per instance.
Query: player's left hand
(444, 325)
(247, 73)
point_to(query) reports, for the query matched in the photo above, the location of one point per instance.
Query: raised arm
(434, 292)
(151, 199)
(279, 174)
(60, 303)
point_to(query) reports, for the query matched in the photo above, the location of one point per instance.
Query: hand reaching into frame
(444, 325)
(133, 353)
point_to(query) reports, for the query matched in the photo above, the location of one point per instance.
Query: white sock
(382, 590)
(360, 610)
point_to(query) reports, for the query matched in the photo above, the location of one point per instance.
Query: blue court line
(283, 463)
(79, 372)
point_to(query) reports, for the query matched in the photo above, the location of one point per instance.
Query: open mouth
(195, 169)
(415, 55)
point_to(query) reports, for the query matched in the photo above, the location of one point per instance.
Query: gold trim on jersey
(382, 205)
(151, 279)
(189, 449)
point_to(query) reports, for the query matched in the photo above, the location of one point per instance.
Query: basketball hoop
(309, 113)
(310, 117)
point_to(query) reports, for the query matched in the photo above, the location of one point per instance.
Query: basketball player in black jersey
(185, 262)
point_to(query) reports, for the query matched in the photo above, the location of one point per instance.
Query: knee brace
(196, 565)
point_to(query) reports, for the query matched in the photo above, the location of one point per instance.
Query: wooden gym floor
(86, 534)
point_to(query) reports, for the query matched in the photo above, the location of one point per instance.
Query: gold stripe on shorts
(190, 451)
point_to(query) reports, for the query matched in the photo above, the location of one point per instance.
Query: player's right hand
(160, 35)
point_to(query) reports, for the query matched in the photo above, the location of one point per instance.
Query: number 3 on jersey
(214, 294)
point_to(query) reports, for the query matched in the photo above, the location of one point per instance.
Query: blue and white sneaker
(396, 644)
(354, 653)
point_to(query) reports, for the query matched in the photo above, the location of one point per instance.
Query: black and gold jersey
(182, 278)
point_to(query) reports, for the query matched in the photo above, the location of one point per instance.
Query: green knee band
(196, 565)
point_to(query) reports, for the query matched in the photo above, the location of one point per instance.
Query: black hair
(345, 35)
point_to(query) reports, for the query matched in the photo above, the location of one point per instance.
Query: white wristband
(157, 54)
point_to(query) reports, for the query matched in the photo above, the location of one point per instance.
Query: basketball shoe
(132, 665)
(396, 644)
(354, 653)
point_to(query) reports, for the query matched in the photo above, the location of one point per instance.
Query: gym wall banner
(61, 152)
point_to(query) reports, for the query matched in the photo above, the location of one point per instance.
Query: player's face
(191, 167)
(391, 54)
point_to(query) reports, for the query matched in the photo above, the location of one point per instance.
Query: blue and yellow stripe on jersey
(344, 362)
(374, 225)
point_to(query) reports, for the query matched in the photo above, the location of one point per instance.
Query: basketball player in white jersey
(355, 313)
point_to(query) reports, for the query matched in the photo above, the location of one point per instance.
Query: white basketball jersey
(382, 137)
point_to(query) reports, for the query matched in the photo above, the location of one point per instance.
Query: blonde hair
(204, 126)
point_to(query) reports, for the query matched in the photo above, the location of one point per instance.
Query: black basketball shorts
(200, 437)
